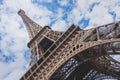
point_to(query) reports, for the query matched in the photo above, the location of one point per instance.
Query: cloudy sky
(58, 14)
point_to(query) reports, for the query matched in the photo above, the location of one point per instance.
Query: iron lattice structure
(75, 54)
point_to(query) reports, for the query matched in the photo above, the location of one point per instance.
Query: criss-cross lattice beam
(32, 27)
(73, 43)
(107, 65)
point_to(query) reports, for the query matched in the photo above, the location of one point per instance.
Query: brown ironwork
(57, 55)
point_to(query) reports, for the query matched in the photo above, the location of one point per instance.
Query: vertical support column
(37, 50)
(74, 77)
(98, 36)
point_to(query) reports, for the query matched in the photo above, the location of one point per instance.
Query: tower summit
(21, 12)
(74, 54)
(41, 38)
(32, 27)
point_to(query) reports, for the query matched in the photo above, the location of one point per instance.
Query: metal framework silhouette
(75, 54)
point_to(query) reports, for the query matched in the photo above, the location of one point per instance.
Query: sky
(58, 14)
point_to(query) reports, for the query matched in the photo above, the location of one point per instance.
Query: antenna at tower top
(21, 12)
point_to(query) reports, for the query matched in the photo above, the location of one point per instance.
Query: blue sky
(58, 14)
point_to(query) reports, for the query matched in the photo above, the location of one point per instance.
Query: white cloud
(63, 2)
(15, 74)
(43, 0)
(14, 39)
(60, 25)
(98, 16)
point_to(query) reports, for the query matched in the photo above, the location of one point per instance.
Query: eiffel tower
(75, 54)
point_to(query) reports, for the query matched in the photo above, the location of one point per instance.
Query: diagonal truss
(70, 49)
(32, 27)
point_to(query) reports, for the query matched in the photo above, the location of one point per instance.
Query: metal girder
(69, 44)
(108, 66)
(82, 46)
(32, 27)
